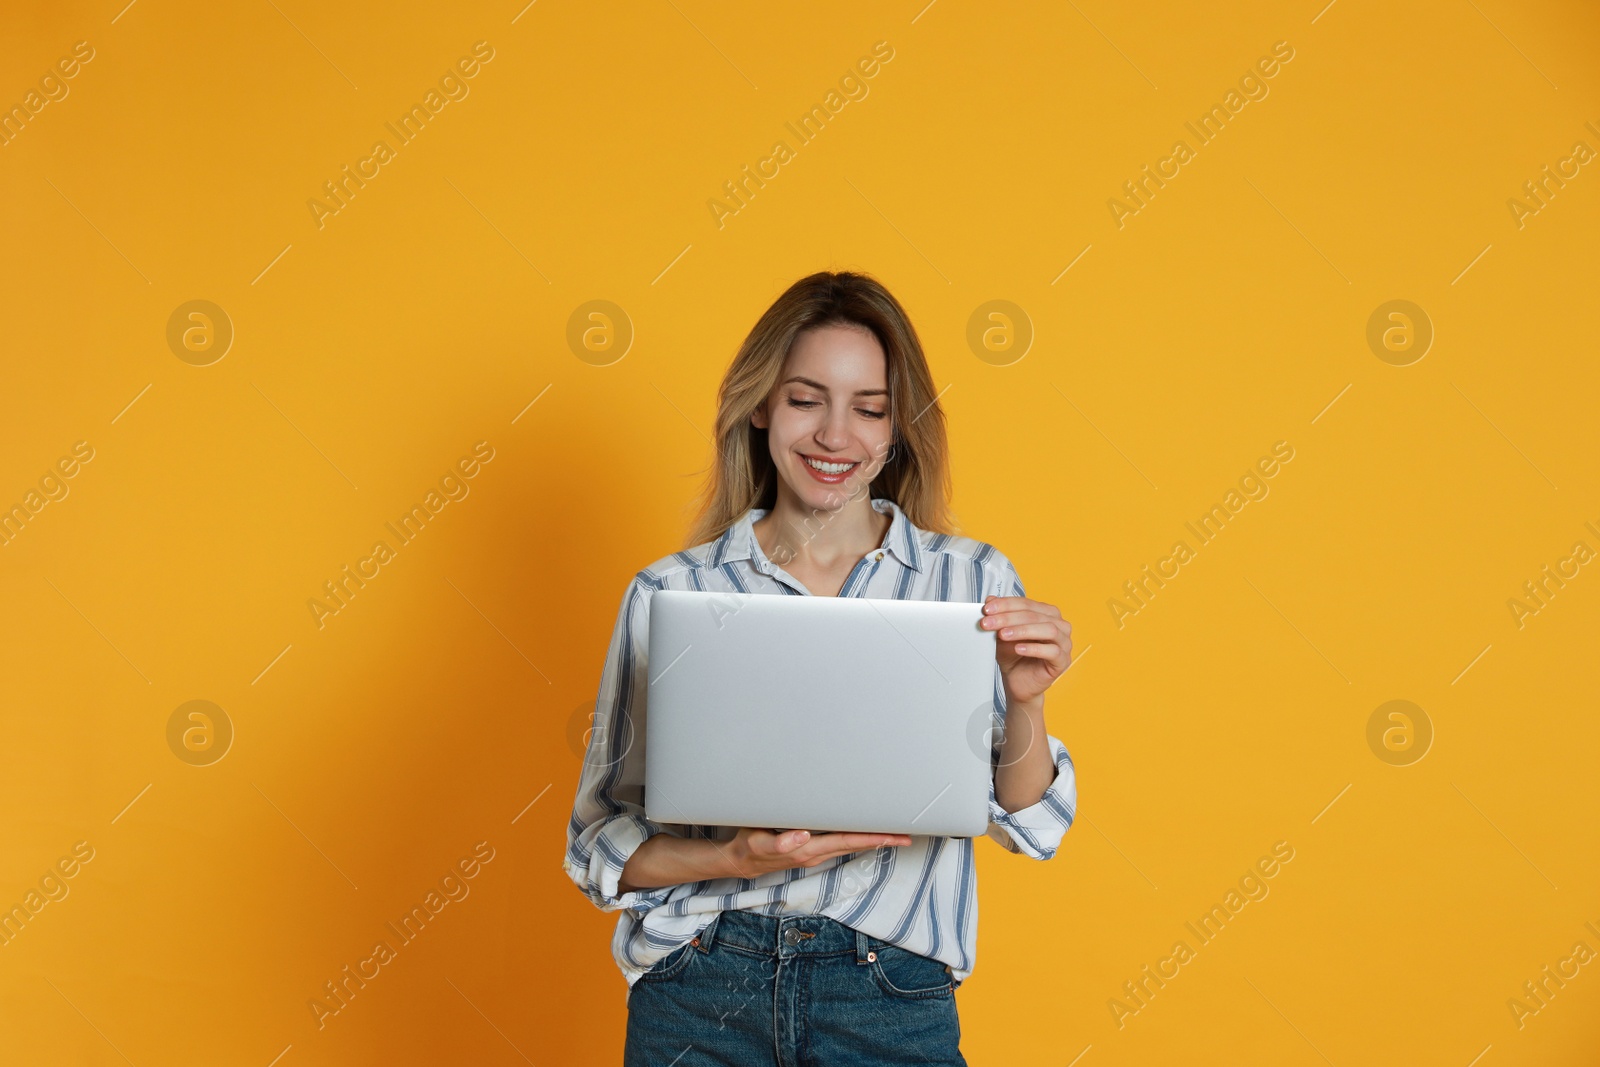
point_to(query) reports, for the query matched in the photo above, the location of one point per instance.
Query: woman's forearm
(1026, 767)
(667, 859)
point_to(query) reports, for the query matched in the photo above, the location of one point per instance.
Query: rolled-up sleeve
(1036, 830)
(608, 823)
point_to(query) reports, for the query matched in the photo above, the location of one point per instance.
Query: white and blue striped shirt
(922, 896)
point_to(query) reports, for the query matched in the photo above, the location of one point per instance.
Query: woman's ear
(758, 417)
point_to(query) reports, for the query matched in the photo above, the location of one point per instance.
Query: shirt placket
(874, 557)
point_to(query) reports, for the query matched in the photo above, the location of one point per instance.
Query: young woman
(830, 479)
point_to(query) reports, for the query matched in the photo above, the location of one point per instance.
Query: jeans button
(791, 936)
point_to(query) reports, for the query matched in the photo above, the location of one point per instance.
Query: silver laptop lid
(818, 713)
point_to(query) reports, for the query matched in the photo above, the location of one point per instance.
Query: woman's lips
(825, 477)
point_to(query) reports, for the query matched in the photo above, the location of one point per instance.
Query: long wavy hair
(743, 476)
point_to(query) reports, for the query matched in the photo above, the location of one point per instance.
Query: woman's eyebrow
(823, 388)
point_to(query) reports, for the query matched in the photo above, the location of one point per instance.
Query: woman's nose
(833, 434)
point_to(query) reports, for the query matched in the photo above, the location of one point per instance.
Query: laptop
(818, 713)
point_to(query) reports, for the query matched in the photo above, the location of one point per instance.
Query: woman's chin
(825, 498)
(816, 495)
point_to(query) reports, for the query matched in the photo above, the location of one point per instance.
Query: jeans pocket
(672, 964)
(903, 973)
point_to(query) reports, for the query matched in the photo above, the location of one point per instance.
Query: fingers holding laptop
(762, 851)
(1033, 643)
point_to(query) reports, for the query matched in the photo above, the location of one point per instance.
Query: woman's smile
(829, 471)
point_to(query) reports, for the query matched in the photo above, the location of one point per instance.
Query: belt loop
(861, 948)
(708, 933)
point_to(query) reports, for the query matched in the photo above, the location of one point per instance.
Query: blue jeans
(793, 991)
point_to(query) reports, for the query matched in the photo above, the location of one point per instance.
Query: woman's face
(827, 420)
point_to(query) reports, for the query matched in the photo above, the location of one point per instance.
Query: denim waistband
(786, 935)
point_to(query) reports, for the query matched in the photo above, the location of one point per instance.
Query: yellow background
(371, 754)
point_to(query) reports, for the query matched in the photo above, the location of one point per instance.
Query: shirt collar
(739, 542)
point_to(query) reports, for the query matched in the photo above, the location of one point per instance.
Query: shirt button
(791, 936)
(879, 556)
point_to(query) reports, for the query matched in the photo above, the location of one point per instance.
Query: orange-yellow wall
(372, 753)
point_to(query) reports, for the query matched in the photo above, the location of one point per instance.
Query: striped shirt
(922, 896)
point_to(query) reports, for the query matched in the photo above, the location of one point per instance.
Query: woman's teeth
(828, 468)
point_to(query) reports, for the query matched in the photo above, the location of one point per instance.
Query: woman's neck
(793, 534)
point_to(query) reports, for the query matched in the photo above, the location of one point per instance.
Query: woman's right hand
(759, 852)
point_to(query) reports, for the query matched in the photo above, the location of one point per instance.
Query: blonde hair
(743, 476)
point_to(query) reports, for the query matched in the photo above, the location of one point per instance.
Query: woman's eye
(802, 403)
(872, 414)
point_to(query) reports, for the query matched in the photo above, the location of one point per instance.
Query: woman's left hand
(1033, 645)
